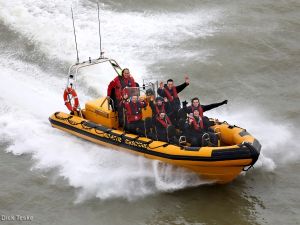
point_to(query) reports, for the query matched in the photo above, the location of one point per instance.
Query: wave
(30, 94)
(136, 38)
(28, 97)
(276, 138)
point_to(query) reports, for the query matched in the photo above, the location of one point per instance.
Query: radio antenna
(75, 35)
(101, 53)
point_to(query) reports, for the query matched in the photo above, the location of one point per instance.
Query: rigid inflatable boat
(236, 151)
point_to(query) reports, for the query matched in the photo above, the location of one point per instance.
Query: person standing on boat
(117, 85)
(170, 91)
(115, 90)
(134, 122)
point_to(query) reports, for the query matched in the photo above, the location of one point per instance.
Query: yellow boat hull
(219, 164)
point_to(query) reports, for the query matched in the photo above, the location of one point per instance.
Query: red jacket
(199, 108)
(171, 94)
(134, 111)
(119, 83)
(164, 122)
(197, 125)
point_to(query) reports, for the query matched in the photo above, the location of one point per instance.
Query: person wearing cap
(117, 85)
(160, 105)
(133, 109)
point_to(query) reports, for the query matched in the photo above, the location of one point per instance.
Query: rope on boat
(97, 131)
(68, 119)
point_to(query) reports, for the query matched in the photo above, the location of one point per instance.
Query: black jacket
(206, 107)
(179, 88)
(167, 108)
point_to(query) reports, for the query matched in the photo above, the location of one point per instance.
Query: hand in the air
(187, 79)
(161, 85)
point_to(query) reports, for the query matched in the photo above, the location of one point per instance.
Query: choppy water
(246, 52)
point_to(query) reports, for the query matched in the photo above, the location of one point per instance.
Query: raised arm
(160, 90)
(212, 106)
(182, 86)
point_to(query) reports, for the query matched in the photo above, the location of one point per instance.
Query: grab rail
(106, 99)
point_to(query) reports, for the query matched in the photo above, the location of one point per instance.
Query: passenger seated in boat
(165, 131)
(134, 122)
(196, 132)
(159, 106)
(195, 104)
(170, 91)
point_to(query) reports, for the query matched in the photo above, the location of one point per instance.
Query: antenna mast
(101, 53)
(75, 35)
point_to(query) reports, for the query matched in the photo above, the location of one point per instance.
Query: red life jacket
(121, 83)
(165, 122)
(123, 102)
(199, 108)
(162, 109)
(171, 95)
(197, 125)
(133, 111)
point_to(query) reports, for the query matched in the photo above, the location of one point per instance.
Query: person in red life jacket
(195, 129)
(121, 106)
(162, 126)
(203, 108)
(134, 123)
(159, 106)
(170, 91)
(116, 86)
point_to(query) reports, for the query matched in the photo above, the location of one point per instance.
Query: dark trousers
(121, 116)
(161, 134)
(197, 139)
(136, 127)
(174, 114)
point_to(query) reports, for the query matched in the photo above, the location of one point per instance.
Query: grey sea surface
(245, 51)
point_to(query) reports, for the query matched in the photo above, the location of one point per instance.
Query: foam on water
(134, 38)
(94, 170)
(29, 96)
(277, 139)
